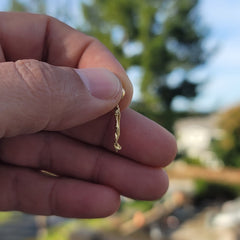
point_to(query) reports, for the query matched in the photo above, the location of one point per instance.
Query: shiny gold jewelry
(117, 114)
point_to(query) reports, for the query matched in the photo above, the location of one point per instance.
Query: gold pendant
(117, 114)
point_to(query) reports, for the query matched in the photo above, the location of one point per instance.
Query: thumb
(36, 96)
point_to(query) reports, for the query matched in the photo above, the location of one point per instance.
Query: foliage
(192, 161)
(6, 216)
(136, 206)
(31, 6)
(210, 191)
(227, 147)
(60, 232)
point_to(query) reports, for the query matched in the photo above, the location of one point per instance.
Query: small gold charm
(117, 114)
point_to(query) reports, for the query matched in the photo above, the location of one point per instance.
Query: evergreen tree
(165, 37)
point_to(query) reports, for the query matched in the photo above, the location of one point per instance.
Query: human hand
(60, 120)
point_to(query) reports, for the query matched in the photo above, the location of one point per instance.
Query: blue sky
(222, 71)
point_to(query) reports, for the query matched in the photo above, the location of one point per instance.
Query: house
(194, 137)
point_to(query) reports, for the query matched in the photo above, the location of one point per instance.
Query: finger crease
(52, 197)
(2, 54)
(45, 155)
(15, 191)
(96, 172)
(45, 41)
(87, 45)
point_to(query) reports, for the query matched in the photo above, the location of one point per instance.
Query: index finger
(40, 37)
(142, 140)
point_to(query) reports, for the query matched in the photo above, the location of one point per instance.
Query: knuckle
(33, 79)
(15, 189)
(97, 167)
(34, 75)
(52, 199)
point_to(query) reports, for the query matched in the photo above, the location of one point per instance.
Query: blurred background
(183, 58)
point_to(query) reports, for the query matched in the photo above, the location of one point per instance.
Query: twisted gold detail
(117, 114)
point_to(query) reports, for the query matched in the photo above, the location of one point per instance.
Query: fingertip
(106, 204)
(170, 146)
(111, 204)
(146, 141)
(158, 187)
(101, 202)
(142, 182)
(164, 183)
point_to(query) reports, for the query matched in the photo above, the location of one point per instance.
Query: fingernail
(100, 82)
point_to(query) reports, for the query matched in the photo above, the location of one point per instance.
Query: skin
(49, 121)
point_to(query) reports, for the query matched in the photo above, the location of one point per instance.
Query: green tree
(227, 147)
(32, 6)
(160, 37)
(59, 9)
